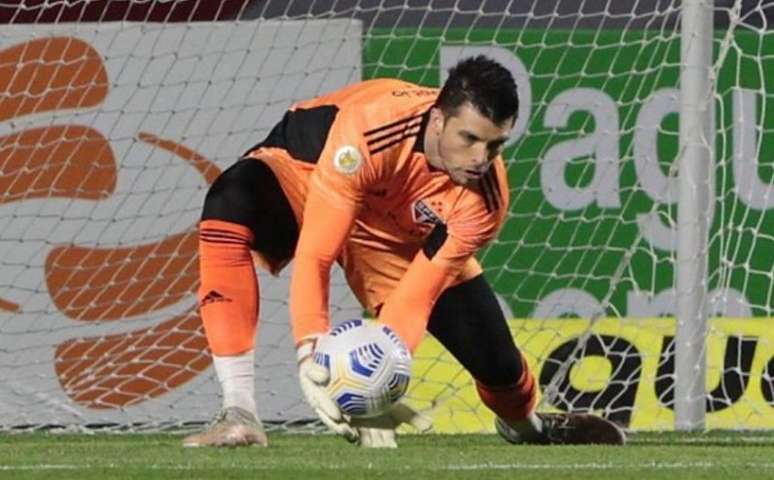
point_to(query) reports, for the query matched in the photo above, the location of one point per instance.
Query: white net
(116, 116)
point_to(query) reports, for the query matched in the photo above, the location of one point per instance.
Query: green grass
(718, 455)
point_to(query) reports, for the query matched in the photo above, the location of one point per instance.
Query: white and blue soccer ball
(369, 365)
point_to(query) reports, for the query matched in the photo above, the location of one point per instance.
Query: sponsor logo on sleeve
(347, 160)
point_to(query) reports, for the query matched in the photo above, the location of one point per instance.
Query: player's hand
(379, 432)
(313, 379)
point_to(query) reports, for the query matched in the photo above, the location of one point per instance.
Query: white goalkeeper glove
(313, 379)
(379, 432)
(375, 432)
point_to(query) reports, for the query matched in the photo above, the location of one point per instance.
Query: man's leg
(469, 322)
(244, 210)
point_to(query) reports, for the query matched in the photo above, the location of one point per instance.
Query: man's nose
(480, 162)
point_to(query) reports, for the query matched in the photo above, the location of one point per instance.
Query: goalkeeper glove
(313, 379)
(379, 432)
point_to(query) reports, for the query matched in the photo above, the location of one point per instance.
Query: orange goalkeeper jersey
(352, 165)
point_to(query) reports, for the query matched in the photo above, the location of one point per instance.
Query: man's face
(468, 142)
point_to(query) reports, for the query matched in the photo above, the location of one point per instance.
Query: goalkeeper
(401, 185)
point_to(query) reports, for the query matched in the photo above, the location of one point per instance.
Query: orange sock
(511, 402)
(228, 294)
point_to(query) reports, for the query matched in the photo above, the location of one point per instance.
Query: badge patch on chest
(424, 214)
(347, 160)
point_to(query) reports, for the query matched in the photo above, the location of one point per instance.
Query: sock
(512, 403)
(229, 291)
(237, 379)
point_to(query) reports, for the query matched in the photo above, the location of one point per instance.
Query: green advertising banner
(592, 226)
(591, 169)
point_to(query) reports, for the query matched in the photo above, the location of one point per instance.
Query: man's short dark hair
(483, 82)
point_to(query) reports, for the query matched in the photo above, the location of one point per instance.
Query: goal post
(695, 163)
(635, 263)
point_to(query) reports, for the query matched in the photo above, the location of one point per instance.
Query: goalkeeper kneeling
(401, 185)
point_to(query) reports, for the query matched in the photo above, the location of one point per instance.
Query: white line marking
(587, 466)
(480, 466)
(39, 467)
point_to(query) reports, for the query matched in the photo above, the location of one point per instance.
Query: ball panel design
(366, 360)
(345, 327)
(322, 359)
(352, 403)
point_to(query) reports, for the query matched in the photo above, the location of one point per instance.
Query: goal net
(116, 116)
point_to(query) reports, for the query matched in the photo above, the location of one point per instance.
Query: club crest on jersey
(424, 214)
(347, 160)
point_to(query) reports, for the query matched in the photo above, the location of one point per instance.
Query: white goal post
(694, 166)
(635, 266)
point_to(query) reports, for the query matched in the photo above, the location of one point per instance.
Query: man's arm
(325, 229)
(335, 195)
(408, 307)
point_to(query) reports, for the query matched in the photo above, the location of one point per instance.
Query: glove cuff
(305, 348)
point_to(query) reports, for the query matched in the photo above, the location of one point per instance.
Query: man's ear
(436, 119)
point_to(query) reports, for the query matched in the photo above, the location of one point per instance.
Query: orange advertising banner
(110, 134)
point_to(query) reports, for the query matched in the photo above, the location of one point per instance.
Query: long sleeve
(325, 229)
(408, 307)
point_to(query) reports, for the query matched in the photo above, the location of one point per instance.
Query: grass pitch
(717, 455)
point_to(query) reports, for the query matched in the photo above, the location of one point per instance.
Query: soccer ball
(369, 365)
